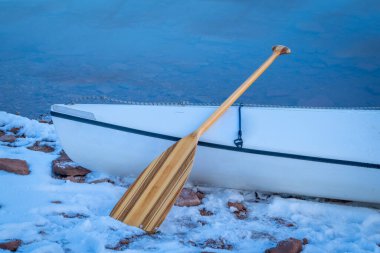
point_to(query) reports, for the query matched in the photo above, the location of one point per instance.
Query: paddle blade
(150, 198)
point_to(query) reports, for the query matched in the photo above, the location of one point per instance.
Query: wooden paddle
(148, 200)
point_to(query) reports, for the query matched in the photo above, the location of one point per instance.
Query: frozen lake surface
(197, 51)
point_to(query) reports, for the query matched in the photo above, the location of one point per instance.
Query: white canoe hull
(312, 152)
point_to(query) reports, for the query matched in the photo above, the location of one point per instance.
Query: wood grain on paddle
(149, 199)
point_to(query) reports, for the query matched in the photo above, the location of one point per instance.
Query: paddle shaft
(277, 51)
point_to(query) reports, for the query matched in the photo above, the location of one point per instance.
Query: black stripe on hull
(217, 146)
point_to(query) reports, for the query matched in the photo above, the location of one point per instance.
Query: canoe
(329, 153)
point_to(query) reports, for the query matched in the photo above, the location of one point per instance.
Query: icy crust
(32, 130)
(52, 215)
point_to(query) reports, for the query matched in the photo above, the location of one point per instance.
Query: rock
(68, 169)
(200, 195)
(63, 156)
(11, 245)
(123, 243)
(103, 180)
(241, 211)
(205, 212)
(282, 222)
(45, 121)
(187, 197)
(8, 138)
(14, 166)
(64, 168)
(43, 148)
(74, 215)
(290, 245)
(1, 133)
(211, 243)
(263, 235)
(56, 202)
(15, 130)
(305, 241)
(217, 244)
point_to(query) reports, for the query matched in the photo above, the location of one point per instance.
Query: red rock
(43, 148)
(63, 156)
(120, 245)
(123, 243)
(241, 212)
(290, 245)
(11, 245)
(64, 168)
(217, 244)
(14, 166)
(205, 212)
(8, 138)
(68, 169)
(15, 130)
(282, 222)
(187, 198)
(200, 195)
(45, 121)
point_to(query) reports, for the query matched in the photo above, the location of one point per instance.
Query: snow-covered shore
(50, 214)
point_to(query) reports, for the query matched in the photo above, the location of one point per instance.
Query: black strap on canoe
(239, 141)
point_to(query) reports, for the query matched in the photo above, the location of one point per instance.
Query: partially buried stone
(43, 148)
(290, 245)
(282, 222)
(15, 130)
(16, 166)
(188, 197)
(8, 138)
(217, 244)
(240, 211)
(11, 245)
(205, 212)
(64, 168)
(68, 168)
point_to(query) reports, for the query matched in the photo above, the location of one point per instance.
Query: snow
(27, 213)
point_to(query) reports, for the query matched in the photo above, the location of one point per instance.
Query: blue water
(198, 51)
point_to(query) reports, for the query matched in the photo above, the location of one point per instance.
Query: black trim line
(218, 146)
